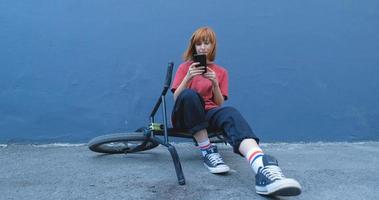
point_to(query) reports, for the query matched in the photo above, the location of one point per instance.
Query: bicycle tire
(119, 143)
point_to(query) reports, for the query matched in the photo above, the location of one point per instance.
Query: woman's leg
(189, 114)
(269, 178)
(234, 125)
(250, 149)
(201, 136)
(246, 145)
(239, 134)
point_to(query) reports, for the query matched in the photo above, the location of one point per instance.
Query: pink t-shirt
(202, 85)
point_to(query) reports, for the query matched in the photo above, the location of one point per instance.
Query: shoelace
(215, 158)
(272, 172)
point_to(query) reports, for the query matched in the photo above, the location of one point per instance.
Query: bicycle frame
(162, 100)
(170, 148)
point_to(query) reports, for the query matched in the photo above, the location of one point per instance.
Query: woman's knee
(231, 111)
(189, 94)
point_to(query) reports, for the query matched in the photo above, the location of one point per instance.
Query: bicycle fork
(170, 148)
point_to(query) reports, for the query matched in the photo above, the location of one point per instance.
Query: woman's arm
(182, 86)
(192, 71)
(217, 95)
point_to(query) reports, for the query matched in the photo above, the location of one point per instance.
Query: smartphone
(202, 59)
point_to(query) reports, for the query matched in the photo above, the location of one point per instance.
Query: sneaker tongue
(269, 160)
(212, 150)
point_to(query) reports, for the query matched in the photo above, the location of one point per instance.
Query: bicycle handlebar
(167, 82)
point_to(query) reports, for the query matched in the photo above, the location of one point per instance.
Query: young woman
(199, 96)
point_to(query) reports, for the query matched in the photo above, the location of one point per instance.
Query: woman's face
(203, 47)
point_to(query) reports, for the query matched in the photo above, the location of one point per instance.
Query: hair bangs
(204, 34)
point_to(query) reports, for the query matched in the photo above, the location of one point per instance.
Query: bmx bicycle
(145, 138)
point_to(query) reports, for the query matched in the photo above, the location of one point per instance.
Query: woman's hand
(211, 75)
(194, 70)
(217, 95)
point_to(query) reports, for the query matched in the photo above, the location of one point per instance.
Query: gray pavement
(325, 171)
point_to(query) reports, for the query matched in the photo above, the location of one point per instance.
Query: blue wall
(299, 70)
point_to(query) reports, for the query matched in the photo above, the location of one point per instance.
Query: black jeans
(189, 114)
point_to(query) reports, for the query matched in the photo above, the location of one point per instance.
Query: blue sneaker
(270, 180)
(213, 161)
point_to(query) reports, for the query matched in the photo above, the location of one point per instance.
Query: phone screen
(202, 59)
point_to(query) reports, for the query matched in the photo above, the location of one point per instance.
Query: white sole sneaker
(284, 187)
(219, 169)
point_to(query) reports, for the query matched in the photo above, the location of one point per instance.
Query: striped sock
(204, 145)
(254, 156)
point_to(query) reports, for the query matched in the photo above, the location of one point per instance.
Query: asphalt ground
(68, 171)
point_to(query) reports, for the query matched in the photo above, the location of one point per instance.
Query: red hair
(200, 35)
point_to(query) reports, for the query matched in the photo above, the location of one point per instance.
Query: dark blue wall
(299, 70)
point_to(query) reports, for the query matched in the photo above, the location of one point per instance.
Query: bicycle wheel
(121, 143)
